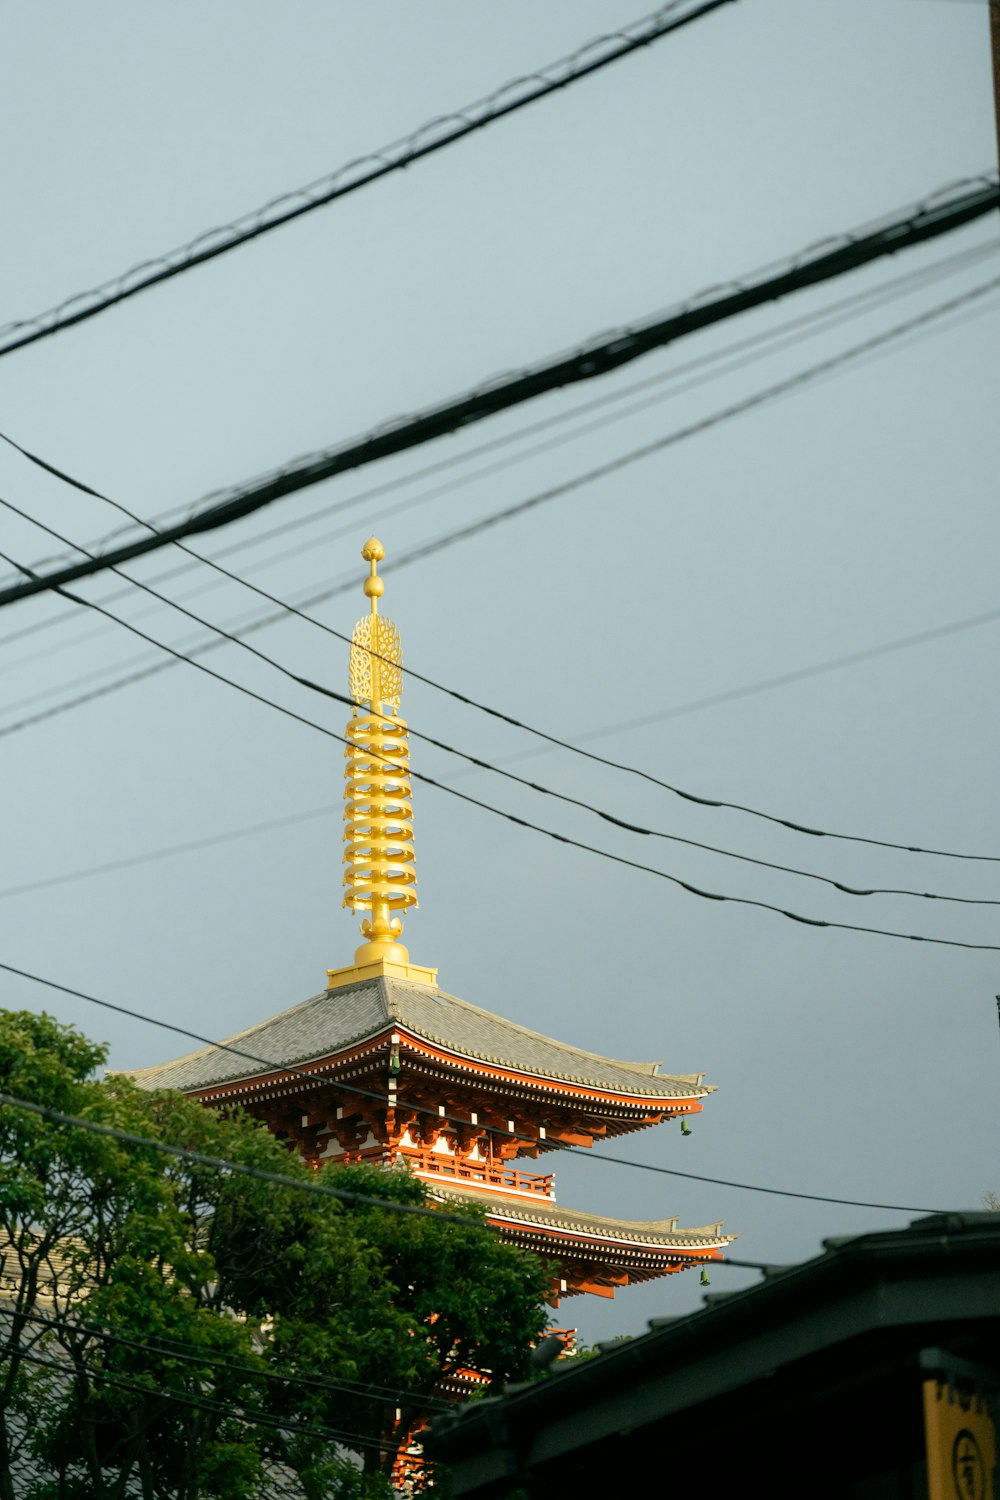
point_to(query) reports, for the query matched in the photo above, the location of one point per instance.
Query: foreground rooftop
(808, 1382)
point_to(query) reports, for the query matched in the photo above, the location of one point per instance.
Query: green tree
(105, 1239)
(170, 1330)
(460, 1302)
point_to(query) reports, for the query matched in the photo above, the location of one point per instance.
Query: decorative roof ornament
(376, 669)
(379, 873)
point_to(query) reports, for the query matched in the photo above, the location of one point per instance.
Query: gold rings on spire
(378, 818)
(379, 874)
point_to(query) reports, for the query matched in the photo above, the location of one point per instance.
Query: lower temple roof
(342, 1018)
(568, 1224)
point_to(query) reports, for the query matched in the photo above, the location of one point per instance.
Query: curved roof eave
(318, 1030)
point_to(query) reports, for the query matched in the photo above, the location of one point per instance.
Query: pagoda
(383, 1065)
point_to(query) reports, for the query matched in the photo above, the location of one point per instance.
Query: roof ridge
(389, 1000)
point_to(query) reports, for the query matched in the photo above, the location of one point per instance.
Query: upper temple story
(383, 1067)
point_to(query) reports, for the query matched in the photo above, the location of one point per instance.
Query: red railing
(478, 1173)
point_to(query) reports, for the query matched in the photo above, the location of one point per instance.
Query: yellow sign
(961, 1444)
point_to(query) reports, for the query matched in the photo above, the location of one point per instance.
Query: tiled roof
(342, 1018)
(644, 1233)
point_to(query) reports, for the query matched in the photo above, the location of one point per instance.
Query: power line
(189, 847)
(877, 342)
(765, 685)
(240, 1169)
(192, 1354)
(702, 368)
(536, 827)
(765, 1267)
(803, 674)
(658, 833)
(945, 211)
(296, 1072)
(760, 344)
(430, 138)
(246, 1414)
(479, 764)
(101, 692)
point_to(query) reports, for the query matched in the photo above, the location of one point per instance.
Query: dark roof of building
(339, 1019)
(921, 1299)
(644, 1234)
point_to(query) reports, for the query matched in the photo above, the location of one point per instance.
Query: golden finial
(376, 653)
(378, 814)
(373, 552)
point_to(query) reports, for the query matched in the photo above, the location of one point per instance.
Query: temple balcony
(493, 1176)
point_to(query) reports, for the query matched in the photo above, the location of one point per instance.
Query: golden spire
(379, 875)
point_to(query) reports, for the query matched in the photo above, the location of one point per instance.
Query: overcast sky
(853, 512)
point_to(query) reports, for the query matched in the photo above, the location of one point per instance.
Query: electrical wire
(711, 365)
(483, 765)
(293, 1071)
(765, 685)
(702, 368)
(767, 1268)
(803, 674)
(430, 138)
(219, 1408)
(837, 361)
(239, 1169)
(937, 215)
(191, 845)
(191, 1354)
(869, 653)
(188, 847)
(538, 828)
(800, 328)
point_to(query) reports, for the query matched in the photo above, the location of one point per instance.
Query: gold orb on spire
(373, 552)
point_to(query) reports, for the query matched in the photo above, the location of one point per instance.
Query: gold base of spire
(381, 946)
(379, 968)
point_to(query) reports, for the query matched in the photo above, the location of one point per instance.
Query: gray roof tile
(338, 1019)
(662, 1233)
